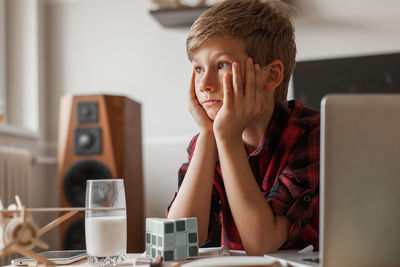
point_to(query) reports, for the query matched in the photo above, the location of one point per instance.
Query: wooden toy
(20, 234)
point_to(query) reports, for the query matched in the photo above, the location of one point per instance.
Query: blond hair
(265, 27)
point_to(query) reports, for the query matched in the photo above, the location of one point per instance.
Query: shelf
(178, 17)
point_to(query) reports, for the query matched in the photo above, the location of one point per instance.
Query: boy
(254, 166)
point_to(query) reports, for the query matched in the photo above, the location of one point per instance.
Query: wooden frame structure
(20, 234)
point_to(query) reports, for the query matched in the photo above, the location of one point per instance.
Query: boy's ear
(274, 75)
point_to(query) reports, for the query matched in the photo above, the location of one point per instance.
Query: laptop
(359, 182)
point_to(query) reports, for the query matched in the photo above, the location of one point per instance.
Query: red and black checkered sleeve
(295, 193)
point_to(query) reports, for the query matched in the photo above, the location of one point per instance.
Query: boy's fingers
(237, 80)
(258, 95)
(228, 94)
(192, 94)
(194, 105)
(250, 80)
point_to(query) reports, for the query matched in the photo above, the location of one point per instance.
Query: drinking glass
(105, 230)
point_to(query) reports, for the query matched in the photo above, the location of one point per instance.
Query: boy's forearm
(264, 233)
(194, 196)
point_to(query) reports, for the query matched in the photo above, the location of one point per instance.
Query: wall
(116, 47)
(21, 63)
(326, 29)
(2, 62)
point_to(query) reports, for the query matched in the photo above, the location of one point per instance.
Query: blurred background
(49, 48)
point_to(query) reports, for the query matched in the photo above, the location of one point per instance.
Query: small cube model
(173, 239)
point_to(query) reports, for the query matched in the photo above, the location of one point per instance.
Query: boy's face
(211, 61)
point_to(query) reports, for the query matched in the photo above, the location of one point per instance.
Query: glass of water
(105, 226)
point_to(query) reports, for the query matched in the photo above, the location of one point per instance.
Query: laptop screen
(360, 180)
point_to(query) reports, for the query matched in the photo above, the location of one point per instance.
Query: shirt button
(307, 198)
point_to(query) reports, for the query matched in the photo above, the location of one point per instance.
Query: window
(19, 64)
(2, 62)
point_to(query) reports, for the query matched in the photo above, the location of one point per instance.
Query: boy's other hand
(196, 110)
(243, 103)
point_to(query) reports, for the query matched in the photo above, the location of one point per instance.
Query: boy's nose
(208, 82)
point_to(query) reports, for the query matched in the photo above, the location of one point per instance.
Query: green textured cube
(191, 224)
(168, 255)
(193, 251)
(181, 239)
(173, 239)
(180, 225)
(169, 241)
(192, 237)
(169, 228)
(181, 253)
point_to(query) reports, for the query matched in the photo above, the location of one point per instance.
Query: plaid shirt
(286, 167)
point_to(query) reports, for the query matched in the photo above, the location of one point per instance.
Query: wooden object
(178, 17)
(119, 120)
(19, 232)
(169, 4)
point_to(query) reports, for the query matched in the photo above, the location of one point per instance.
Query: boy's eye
(223, 65)
(198, 69)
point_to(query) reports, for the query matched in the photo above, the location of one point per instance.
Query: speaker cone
(76, 176)
(75, 235)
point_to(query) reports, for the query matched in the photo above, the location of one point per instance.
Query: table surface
(203, 254)
(130, 259)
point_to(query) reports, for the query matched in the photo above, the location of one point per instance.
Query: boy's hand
(243, 102)
(196, 110)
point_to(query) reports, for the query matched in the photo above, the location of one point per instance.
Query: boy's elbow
(266, 245)
(261, 250)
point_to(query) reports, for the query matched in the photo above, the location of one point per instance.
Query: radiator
(15, 174)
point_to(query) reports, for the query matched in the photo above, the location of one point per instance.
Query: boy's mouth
(211, 102)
